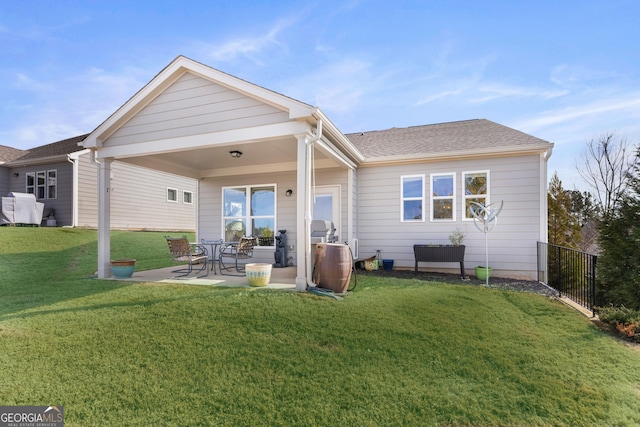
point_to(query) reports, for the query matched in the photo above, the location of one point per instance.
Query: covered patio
(234, 138)
(281, 278)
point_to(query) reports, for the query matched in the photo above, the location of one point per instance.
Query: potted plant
(457, 237)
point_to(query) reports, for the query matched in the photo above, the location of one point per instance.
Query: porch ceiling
(257, 157)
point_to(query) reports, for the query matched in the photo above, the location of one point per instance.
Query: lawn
(393, 352)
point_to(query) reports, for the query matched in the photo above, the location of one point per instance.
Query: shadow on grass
(37, 279)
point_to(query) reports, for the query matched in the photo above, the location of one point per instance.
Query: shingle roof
(8, 154)
(66, 146)
(462, 136)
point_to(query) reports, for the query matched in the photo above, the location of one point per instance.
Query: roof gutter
(457, 155)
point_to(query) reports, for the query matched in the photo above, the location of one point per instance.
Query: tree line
(604, 220)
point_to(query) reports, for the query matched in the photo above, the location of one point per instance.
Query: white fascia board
(136, 103)
(203, 140)
(458, 155)
(295, 108)
(341, 141)
(44, 160)
(331, 151)
(173, 72)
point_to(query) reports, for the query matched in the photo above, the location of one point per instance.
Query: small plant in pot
(457, 237)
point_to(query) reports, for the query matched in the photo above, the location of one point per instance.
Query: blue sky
(564, 71)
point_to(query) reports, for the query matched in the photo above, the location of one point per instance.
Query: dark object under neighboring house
(439, 253)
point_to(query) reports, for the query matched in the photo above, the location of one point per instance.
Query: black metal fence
(572, 273)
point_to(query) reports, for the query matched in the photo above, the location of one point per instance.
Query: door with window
(326, 205)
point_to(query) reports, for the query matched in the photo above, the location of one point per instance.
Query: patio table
(214, 244)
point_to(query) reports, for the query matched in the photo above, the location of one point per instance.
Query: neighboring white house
(64, 178)
(265, 162)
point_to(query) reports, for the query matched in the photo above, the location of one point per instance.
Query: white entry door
(326, 206)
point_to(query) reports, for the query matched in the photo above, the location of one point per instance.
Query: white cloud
(496, 91)
(251, 47)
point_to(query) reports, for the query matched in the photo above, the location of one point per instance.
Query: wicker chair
(240, 250)
(184, 252)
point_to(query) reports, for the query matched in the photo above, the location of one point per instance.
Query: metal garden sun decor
(485, 220)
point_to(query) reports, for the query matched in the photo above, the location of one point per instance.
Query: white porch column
(104, 218)
(303, 249)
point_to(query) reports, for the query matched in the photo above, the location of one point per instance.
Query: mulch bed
(494, 282)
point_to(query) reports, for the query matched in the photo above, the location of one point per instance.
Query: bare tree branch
(606, 164)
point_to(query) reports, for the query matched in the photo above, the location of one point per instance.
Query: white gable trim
(171, 74)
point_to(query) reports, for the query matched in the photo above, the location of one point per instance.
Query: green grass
(394, 352)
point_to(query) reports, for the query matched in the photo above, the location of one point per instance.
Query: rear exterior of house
(264, 162)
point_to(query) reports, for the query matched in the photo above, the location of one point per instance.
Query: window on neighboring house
(187, 197)
(250, 211)
(476, 189)
(443, 200)
(41, 185)
(412, 190)
(52, 184)
(172, 195)
(31, 183)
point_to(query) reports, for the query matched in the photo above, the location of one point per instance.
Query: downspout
(74, 190)
(544, 190)
(308, 208)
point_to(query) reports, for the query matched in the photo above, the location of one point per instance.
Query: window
(43, 184)
(40, 185)
(443, 205)
(412, 198)
(52, 184)
(31, 183)
(172, 195)
(476, 189)
(250, 211)
(187, 197)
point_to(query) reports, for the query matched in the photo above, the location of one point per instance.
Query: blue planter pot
(123, 268)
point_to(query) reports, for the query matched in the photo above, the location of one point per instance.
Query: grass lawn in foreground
(393, 352)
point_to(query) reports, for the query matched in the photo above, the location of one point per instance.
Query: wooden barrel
(333, 267)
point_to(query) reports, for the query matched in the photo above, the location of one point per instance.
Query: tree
(619, 264)
(606, 165)
(564, 225)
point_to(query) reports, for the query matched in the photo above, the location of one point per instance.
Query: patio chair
(240, 250)
(184, 252)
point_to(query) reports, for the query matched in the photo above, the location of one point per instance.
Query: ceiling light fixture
(235, 154)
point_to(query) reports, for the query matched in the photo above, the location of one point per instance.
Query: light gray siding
(5, 173)
(512, 244)
(138, 198)
(193, 105)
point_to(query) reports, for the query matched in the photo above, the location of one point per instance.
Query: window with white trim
(187, 197)
(249, 211)
(412, 203)
(172, 195)
(41, 185)
(52, 184)
(475, 189)
(31, 183)
(443, 197)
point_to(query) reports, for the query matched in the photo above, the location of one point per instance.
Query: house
(265, 162)
(63, 176)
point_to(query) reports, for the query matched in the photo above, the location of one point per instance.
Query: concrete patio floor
(281, 278)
